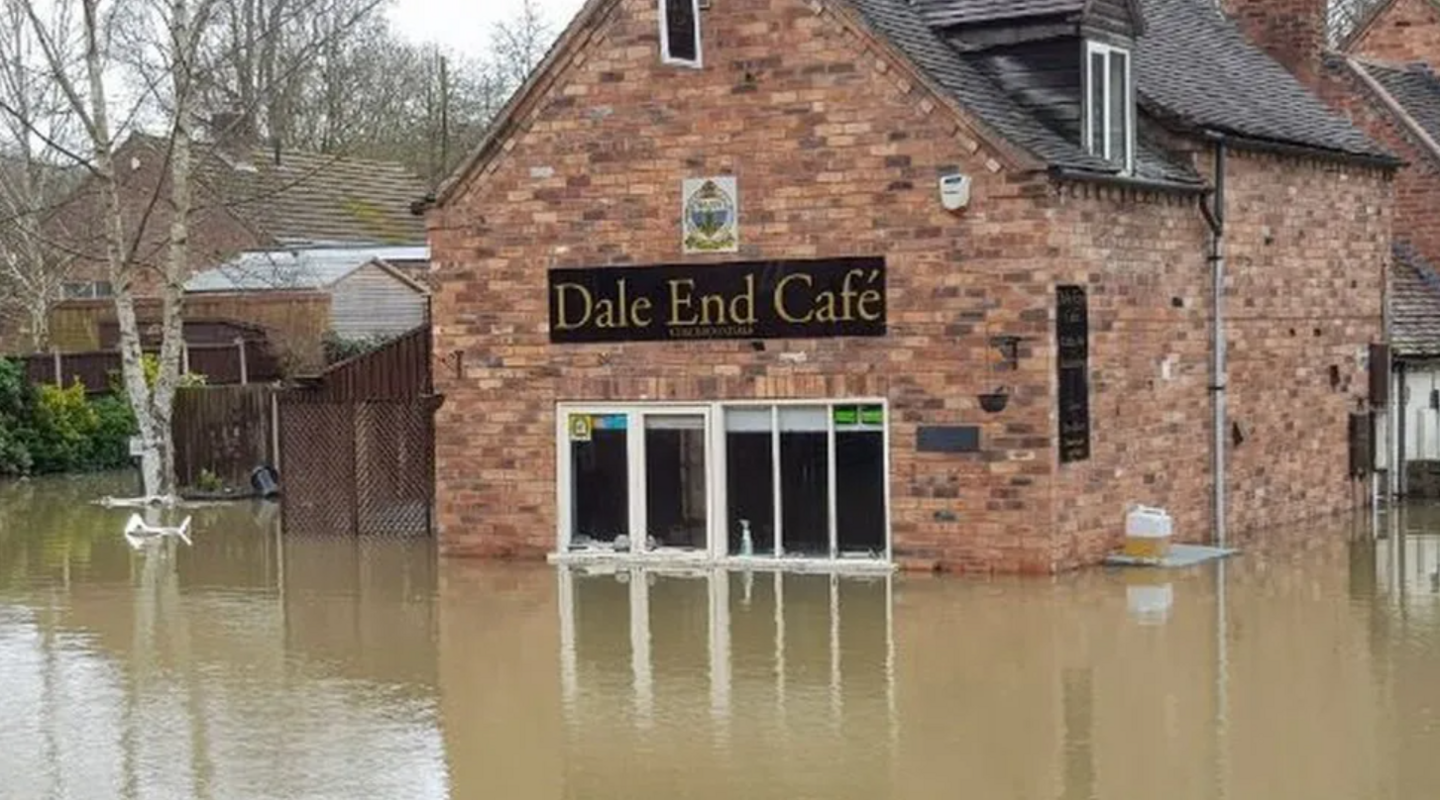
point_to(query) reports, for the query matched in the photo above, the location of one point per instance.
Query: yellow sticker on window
(581, 428)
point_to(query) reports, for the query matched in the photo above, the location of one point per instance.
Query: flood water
(250, 667)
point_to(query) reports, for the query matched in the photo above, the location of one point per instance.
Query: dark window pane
(805, 481)
(860, 491)
(749, 479)
(1097, 104)
(680, 30)
(600, 487)
(1119, 107)
(675, 481)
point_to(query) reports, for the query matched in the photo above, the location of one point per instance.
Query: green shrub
(209, 482)
(50, 429)
(63, 430)
(150, 366)
(338, 348)
(112, 436)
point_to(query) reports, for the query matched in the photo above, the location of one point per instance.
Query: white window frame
(1110, 53)
(716, 551)
(665, 57)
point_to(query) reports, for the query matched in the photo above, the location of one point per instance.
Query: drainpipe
(1214, 212)
(1401, 406)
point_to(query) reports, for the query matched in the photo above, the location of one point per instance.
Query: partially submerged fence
(225, 430)
(357, 444)
(242, 362)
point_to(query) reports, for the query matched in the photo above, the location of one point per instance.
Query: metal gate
(357, 446)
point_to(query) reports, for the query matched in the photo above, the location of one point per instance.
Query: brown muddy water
(250, 667)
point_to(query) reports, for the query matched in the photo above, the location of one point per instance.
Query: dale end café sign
(745, 300)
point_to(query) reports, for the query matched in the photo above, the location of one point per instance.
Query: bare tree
(517, 45)
(175, 25)
(32, 175)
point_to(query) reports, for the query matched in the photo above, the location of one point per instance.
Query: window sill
(685, 559)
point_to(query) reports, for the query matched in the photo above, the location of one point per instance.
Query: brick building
(887, 282)
(1378, 73)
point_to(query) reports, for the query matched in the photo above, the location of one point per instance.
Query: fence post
(184, 357)
(59, 376)
(244, 373)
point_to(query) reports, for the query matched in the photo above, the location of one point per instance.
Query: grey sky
(464, 25)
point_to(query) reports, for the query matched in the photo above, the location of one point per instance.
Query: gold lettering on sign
(745, 301)
(681, 296)
(780, 307)
(610, 313)
(641, 305)
(562, 318)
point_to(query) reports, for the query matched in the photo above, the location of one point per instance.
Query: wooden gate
(357, 445)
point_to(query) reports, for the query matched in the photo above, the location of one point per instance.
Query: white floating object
(138, 531)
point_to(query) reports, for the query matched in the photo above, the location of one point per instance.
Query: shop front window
(797, 481)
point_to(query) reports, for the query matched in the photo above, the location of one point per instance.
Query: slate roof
(969, 12)
(1194, 70)
(311, 198)
(1195, 64)
(297, 269)
(906, 28)
(1414, 305)
(1415, 89)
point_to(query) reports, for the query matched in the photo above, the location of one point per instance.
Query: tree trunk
(39, 328)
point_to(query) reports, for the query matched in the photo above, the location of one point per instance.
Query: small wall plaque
(710, 212)
(948, 439)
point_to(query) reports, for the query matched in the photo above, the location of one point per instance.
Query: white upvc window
(1109, 110)
(787, 483)
(680, 32)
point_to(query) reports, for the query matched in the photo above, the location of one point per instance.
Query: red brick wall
(1406, 31)
(1307, 244)
(1417, 185)
(1292, 31)
(837, 152)
(216, 234)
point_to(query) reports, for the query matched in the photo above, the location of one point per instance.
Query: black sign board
(745, 300)
(1072, 335)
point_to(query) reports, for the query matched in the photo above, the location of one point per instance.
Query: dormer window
(680, 32)
(1109, 127)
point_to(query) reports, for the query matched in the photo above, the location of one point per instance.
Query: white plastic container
(1147, 532)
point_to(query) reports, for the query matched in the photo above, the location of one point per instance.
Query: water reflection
(255, 666)
(713, 671)
(243, 666)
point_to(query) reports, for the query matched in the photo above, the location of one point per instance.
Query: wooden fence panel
(219, 363)
(225, 429)
(399, 370)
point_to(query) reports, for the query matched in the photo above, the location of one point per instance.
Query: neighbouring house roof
(1414, 305)
(301, 269)
(296, 197)
(1412, 95)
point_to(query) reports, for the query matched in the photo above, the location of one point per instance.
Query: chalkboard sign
(1072, 337)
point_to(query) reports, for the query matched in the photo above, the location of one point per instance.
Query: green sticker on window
(872, 415)
(847, 415)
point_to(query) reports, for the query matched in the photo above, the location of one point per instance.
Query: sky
(464, 25)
